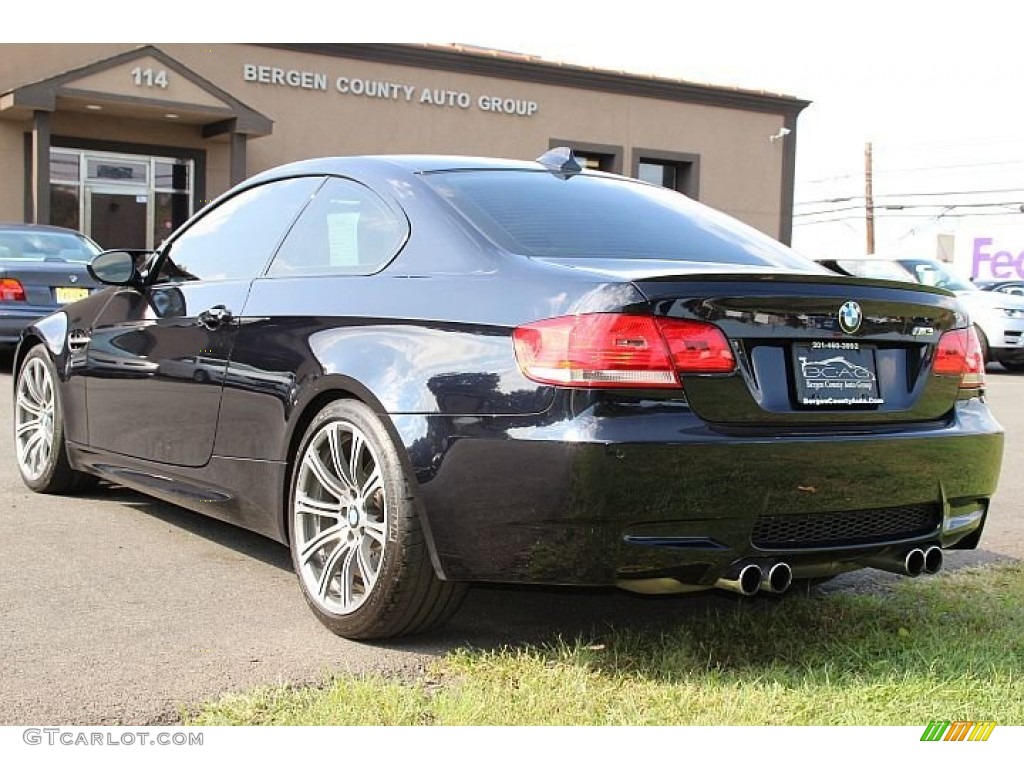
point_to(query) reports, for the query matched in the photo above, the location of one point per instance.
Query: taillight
(697, 347)
(959, 354)
(612, 350)
(11, 290)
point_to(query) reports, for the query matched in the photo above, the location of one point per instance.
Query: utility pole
(869, 199)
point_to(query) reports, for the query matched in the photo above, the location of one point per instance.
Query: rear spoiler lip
(795, 277)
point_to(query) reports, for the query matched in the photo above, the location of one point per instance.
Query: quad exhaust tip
(753, 578)
(777, 579)
(933, 560)
(747, 581)
(913, 563)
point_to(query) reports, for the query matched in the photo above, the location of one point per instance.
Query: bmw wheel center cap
(850, 317)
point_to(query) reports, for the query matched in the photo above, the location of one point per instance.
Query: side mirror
(116, 267)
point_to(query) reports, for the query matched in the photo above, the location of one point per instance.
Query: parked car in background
(423, 372)
(998, 316)
(41, 269)
(1012, 287)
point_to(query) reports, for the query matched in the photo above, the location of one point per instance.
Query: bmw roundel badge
(850, 317)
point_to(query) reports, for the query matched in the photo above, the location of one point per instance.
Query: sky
(936, 86)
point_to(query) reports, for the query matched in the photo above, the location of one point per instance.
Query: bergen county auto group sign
(388, 90)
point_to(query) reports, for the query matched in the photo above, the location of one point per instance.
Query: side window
(347, 229)
(235, 239)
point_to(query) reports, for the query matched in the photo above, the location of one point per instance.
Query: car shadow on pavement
(224, 534)
(501, 616)
(498, 616)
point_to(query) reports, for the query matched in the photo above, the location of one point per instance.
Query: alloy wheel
(339, 518)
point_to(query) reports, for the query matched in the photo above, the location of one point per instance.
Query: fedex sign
(990, 262)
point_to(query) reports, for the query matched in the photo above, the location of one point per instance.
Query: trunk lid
(798, 364)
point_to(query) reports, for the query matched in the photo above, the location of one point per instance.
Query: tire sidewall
(986, 355)
(400, 506)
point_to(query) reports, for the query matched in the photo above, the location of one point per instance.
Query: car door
(156, 358)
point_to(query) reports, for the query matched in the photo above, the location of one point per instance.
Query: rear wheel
(39, 428)
(983, 342)
(357, 545)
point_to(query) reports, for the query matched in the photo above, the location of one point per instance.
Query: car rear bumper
(599, 499)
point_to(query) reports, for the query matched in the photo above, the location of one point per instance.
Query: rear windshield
(877, 270)
(536, 213)
(928, 272)
(31, 245)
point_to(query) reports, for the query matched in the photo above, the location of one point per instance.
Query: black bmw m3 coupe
(423, 372)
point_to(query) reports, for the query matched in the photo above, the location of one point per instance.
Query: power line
(1017, 205)
(848, 218)
(851, 198)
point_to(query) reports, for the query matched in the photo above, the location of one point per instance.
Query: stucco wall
(740, 170)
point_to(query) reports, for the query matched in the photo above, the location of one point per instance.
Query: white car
(997, 317)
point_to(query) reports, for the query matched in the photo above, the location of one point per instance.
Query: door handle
(214, 317)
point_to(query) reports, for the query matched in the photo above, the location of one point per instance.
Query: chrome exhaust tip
(747, 582)
(933, 560)
(777, 579)
(913, 563)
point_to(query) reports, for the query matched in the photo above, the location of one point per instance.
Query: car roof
(15, 226)
(412, 163)
(397, 165)
(434, 163)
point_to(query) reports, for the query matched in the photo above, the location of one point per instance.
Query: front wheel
(39, 428)
(356, 542)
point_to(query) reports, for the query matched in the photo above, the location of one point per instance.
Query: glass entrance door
(120, 200)
(116, 218)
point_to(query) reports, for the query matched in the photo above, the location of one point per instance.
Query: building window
(674, 170)
(662, 174)
(593, 161)
(594, 157)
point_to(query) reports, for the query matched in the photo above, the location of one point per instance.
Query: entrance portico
(126, 193)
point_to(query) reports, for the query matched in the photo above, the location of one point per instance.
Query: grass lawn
(949, 647)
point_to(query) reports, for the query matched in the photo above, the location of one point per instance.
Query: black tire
(1015, 366)
(52, 473)
(406, 596)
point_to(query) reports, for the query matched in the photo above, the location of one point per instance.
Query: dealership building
(124, 142)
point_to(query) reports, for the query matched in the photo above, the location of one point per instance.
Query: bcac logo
(835, 369)
(959, 730)
(850, 317)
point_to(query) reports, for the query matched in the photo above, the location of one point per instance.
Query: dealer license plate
(68, 295)
(835, 374)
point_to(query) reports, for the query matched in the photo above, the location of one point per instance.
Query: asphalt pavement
(119, 609)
